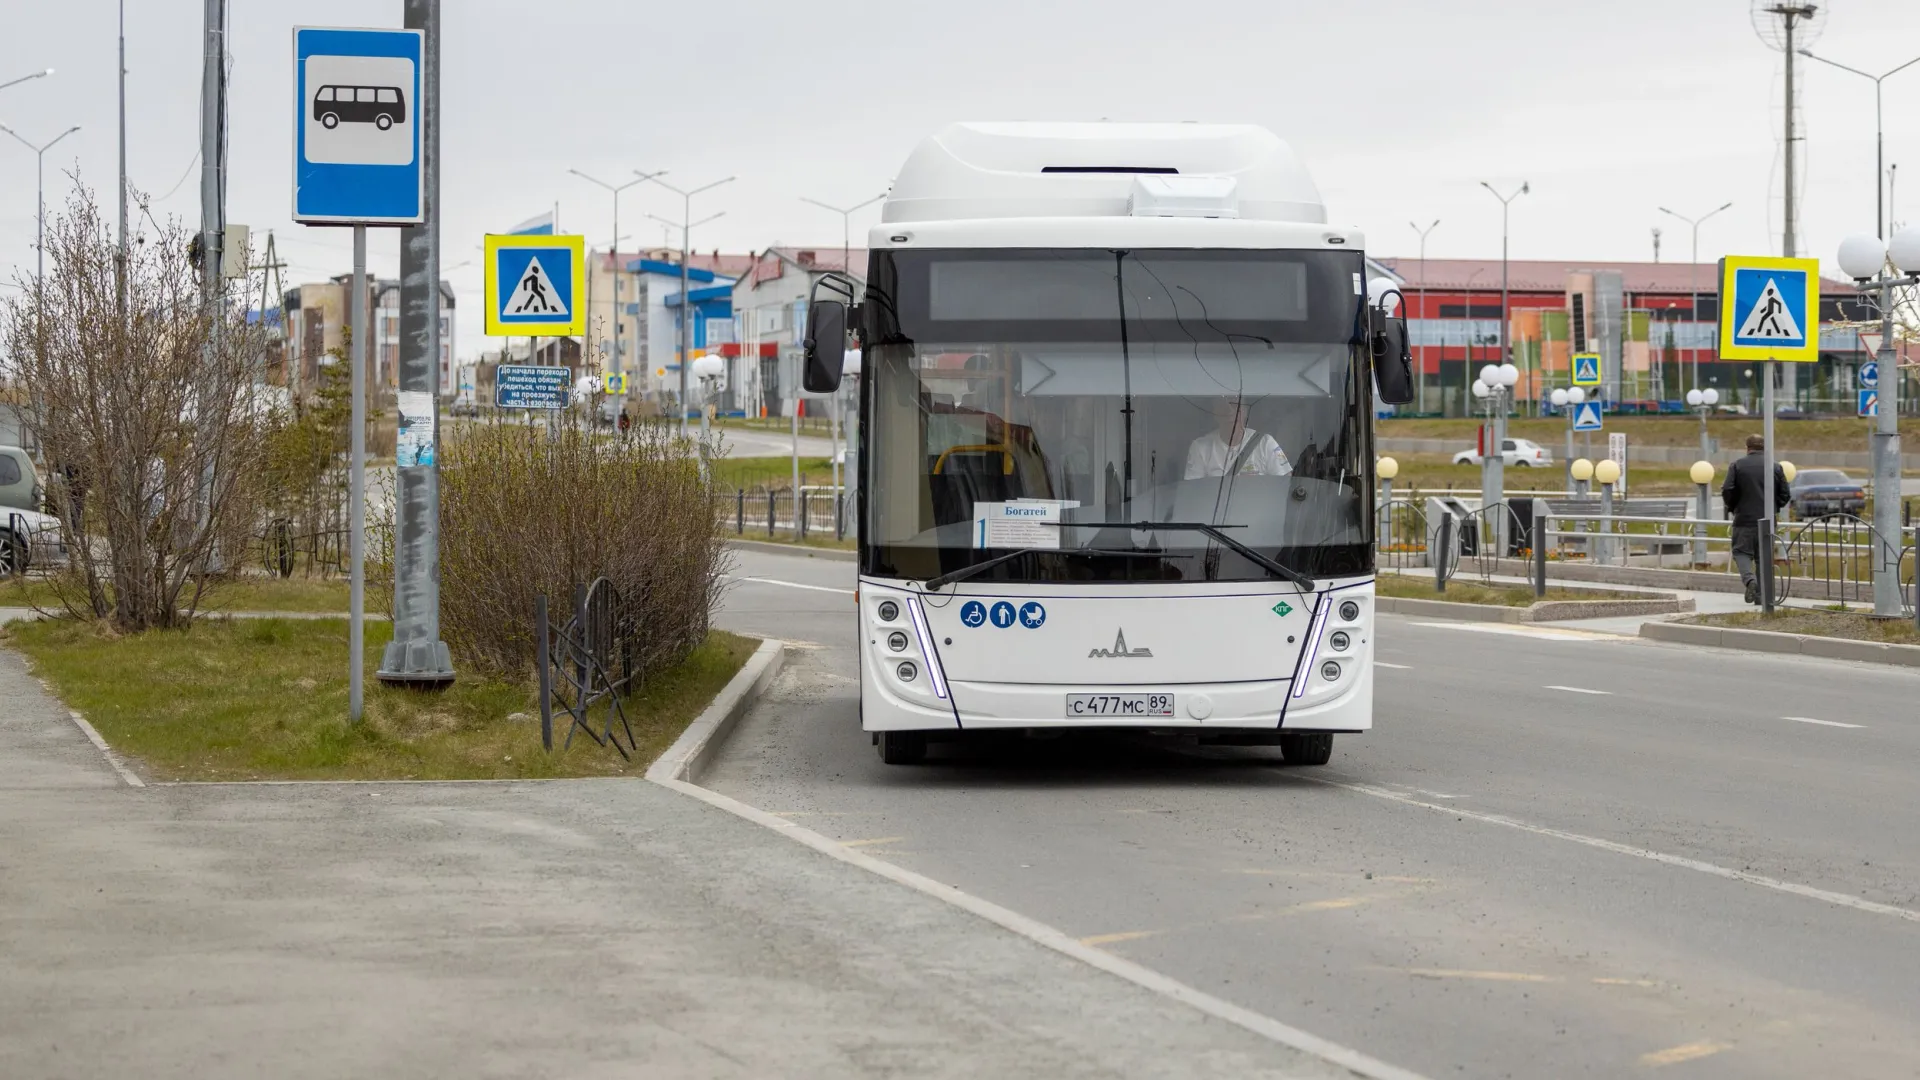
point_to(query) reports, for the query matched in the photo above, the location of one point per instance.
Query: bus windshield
(1064, 401)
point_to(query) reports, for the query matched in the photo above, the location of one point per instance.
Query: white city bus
(1116, 446)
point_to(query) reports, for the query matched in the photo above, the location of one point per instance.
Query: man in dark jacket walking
(1745, 496)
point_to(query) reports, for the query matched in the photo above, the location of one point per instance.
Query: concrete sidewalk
(1703, 602)
(579, 928)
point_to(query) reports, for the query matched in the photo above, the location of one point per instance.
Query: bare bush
(527, 510)
(142, 396)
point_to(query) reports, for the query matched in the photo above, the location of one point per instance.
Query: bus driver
(1232, 447)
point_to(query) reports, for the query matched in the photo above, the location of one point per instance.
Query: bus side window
(364, 94)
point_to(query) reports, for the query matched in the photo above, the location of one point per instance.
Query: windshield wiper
(965, 572)
(1217, 532)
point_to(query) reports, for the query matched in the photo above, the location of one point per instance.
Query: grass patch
(237, 594)
(1411, 587)
(264, 699)
(783, 537)
(1819, 623)
(768, 472)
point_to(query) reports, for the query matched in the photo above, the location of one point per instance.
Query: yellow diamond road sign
(535, 285)
(1769, 308)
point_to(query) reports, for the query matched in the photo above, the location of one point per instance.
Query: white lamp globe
(1577, 395)
(1509, 375)
(1607, 472)
(1695, 398)
(1559, 398)
(1480, 389)
(1701, 473)
(1862, 256)
(1387, 467)
(1710, 396)
(1490, 374)
(1905, 250)
(1377, 291)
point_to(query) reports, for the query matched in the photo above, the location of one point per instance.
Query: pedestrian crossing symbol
(1769, 309)
(1587, 416)
(1586, 369)
(532, 285)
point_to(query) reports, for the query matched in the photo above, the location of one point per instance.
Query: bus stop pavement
(593, 928)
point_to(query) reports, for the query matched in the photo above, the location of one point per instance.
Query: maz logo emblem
(1120, 648)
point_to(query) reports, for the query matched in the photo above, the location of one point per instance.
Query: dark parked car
(1827, 491)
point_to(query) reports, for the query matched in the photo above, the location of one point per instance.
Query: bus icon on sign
(381, 106)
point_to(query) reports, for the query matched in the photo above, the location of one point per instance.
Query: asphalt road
(1558, 854)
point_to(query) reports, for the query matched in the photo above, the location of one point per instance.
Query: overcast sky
(1400, 107)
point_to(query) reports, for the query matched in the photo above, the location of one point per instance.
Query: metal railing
(586, 661)
(818, 512)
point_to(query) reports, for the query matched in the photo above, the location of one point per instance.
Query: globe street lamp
(1865, 259)
(1569, 398)
(1606, 473)
(1495, 386)
(1704, 400)
(1702, 476)
(1386, 468)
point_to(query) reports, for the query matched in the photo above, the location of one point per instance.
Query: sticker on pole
(1869, 403)
(356, 139)
(1586, 416)
(1769, 309)
(1586, 369)
(532, 285)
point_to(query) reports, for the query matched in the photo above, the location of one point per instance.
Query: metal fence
(816, 512)
(585, 662)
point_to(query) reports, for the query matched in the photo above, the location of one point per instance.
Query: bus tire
(903, 747)
(1315, 748)
(330, 121)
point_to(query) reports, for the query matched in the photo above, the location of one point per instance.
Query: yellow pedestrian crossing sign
(1586, 369)
(533, 285)
(616, 383)
(1769, 309)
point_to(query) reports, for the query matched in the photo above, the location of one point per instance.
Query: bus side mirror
(1392, 359)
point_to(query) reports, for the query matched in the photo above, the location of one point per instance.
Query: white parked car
(1514, 452)
(40, 540)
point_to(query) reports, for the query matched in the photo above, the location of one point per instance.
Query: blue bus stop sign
(356, 129)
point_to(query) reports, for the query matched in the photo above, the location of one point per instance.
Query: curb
(1545, 611)
(694, 750)
(774, 548)
(1769, 641)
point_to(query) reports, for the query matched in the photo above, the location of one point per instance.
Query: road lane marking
(1125, 935)
(1489, 976)
(1337, 904)
(1052, 938)
(1396, 667)
(1541, 632)
(791, 584)
(1674, 1055)
(1580, 690)
(1626, 982)
(1792, 888)
(1822, 723)
(874, 842)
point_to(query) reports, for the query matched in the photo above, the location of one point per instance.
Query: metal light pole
(613, 252)
(416, 656)
(846, 267)
(1865, 260)
(24, 78)
(686, 301)
(1420, 367)
(120, 262)
(1506, 201)
(40, 196)
(1879, 135)
(1693, 273)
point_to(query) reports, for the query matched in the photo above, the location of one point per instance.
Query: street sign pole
(416, 656)
(1887, 601)
(357, 493)
(1768, 522)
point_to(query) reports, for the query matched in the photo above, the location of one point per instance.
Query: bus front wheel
(903, 747)
(330, 121)
(1315, 748)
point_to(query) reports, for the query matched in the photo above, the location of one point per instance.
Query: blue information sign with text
(519, 386)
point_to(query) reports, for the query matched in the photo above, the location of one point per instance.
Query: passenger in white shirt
(1233, 445)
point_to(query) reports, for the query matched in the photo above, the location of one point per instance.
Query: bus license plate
(1119, 705)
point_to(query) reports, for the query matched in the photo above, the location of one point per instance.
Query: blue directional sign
(1586, 416)
(356, 130)
(1870, 375)
(1869, 403)
(1586, 369)
(519, 386)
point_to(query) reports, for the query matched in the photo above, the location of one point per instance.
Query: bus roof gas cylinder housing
(972, 171)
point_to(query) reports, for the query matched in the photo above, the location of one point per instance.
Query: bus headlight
(1339, 641)
(897, 641)
(888, 611)
(906, 671)
(1330, 671)
(1349, 611)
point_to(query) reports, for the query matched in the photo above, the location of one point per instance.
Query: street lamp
(1569, 398)
(846, 267)
(1879, 134)
(1495, 385)
(1693, 273)
(24, 78)
(1505, 202)
(686, 302)
(613, 253)
(39, 194)
(1702, 476)
(1865, 258)
(1704, 400)
(1420, 367)
(1386, 468)
(1606, 473)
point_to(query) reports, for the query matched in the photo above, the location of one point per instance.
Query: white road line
(1822, 723)
(1681, 861)
(791, 584)
(1579, 690)
(1396, 667)
(1541, 632)
(1033, 930)
(127, 775)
